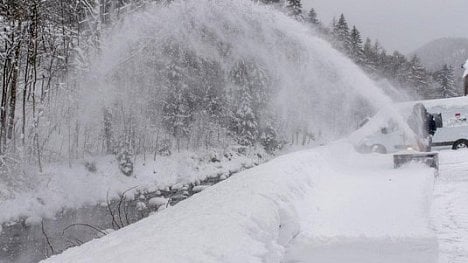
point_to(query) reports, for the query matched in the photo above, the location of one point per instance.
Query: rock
(157, 202)
(33, 221)
(141, 206)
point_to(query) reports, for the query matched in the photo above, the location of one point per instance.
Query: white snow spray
(314, 87)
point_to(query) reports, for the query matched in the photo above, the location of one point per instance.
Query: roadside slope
(259, 215)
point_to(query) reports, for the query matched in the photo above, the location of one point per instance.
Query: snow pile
(316, 201)
(158, 201)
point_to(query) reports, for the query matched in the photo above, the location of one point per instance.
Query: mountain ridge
(452, 51)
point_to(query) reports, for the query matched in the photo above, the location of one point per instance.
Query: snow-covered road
(450, 207)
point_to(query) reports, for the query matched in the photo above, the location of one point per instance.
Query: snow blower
(430, 159)
(424, 126)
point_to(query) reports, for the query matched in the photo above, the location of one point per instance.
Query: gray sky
(398, 24)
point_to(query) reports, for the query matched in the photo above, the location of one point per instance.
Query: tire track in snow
(450, 207)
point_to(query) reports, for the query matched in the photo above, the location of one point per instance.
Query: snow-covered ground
(370, 213)
(321, 205)
(450, 207)
(33, 196)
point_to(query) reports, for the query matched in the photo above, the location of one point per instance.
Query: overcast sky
(398, 24)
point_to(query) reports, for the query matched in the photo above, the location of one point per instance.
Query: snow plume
(202, 63)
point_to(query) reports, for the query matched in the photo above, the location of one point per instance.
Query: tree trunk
(3, 105)
(13, 88)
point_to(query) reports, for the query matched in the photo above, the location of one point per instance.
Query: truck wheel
(378, 148)
(460, 144)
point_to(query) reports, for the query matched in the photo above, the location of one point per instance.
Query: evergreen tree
(356, 39)
(251, 99)
(384, 63)
(176, 113)
(446, 80)
(357, 54)
(376, 50)
(253, 77)
(269, 138)
(244, 120)
(399, 68)
(369, 62)
(312, 17)
(177, 109)
(373, 59)
(294, 8)
(341, 34)
(418, 77)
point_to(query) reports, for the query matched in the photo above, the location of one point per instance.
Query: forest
(47, 47)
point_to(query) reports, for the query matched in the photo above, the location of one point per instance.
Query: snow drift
(296, 208)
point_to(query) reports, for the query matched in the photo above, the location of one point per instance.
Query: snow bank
(60, 186)
(245, 219)
(279, 210)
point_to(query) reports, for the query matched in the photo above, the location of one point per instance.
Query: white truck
(381, 134)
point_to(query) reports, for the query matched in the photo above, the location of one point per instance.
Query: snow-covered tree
(269, 138)
(356, 52)
(294, 8)
(369, 62)
(399, 68)
(124, 158)
(312, 17)
(177, 109)
(418, 77)
(251, 97)
(446, 79)
(244, 121)
(341, 34)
